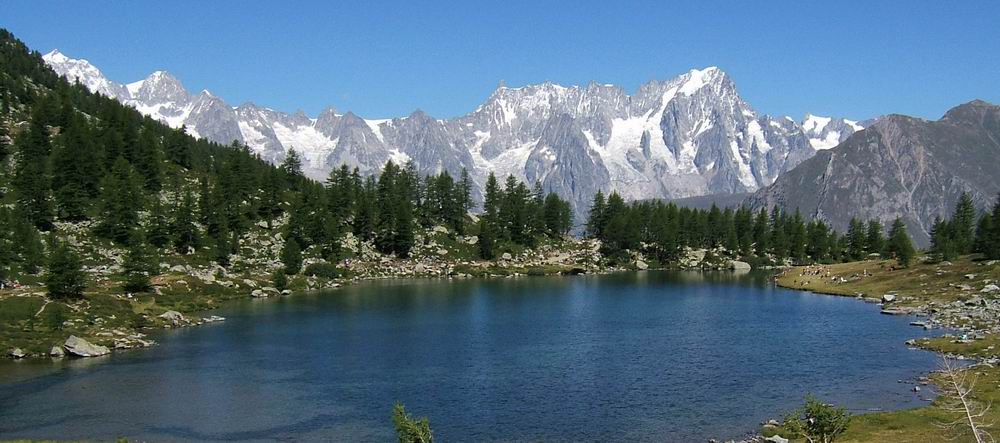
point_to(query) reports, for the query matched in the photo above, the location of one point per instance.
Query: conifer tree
(158, 230)
(291, 257)
(121, 200)
(760, 232)
(184, 230)
(857, 239)
(900, 246)
(963, 224)
(992, 241)
(27, 243)
(875, 240)
(983, 231)
(291, 167)
(74, 178)
(148, 160)
(64, 277)
(31, 180)
(943, 244)
(139, 265)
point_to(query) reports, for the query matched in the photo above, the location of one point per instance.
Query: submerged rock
(82, 348)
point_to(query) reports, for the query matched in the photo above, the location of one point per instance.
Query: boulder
(173, 317)
(776, 439)
(737, 265)
(641, 265)
(17, 353)
(82, 348)
(506, 256)
(57, 351)
(442, 251)
(888, 298)
(991, 288)
(257, 293)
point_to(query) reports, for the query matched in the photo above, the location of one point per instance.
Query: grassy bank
(935, 288)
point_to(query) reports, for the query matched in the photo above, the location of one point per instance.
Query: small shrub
(280, 280)
(324, 270)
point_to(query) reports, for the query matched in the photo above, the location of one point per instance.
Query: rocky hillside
(687, 136)
(899, 166)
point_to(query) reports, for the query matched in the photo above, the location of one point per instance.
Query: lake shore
(959, 295)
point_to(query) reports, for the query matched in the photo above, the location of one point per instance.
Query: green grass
(916, 285)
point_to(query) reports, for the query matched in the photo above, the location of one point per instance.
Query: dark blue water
(652, 356)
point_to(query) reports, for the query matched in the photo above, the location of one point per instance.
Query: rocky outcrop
(79, 347)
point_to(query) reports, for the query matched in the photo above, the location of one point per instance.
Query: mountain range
(899, 166)
(692, 135)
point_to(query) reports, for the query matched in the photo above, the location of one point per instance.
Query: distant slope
(898, 167)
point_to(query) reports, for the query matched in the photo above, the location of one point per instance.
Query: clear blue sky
(383, 59)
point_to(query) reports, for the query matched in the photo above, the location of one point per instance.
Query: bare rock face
(898, 167)
(79, 347)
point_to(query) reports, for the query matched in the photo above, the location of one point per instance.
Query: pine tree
(27, 244)
(900, 246)
(760, 232)
(75, 176)
(139, 265)
(158, 229)
(31, 180)
(291, 167)
(121, 201)
(291, 257)
(992, 241)
(595, 219)
(64, 274)
(184, 230)
(857, 239)
(797, 238)
(177, 148)
(943, 245)
(983, 231)
(963, 224)
(148, 161)
(8, 253)
(875, 239)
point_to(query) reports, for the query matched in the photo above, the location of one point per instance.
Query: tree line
(963, 234)
(662, 230)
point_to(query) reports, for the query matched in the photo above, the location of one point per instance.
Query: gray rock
(17, 353)
(641, 265)
(57, 351)
(737, 265)
(506, 256)
(82, 348)
(990, 288)
(173, 317)
(888, 298)
(776, 439)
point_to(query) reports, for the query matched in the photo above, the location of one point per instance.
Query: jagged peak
(55, 56)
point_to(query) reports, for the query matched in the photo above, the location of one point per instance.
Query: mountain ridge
(687, 136)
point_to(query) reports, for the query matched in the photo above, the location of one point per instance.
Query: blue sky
(384, 59)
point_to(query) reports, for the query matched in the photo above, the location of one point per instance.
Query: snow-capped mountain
(688, 136)
(827, 132)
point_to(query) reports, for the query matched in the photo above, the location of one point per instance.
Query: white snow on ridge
(697, 79)
(831, 140)
(311, 144)
(813, 123)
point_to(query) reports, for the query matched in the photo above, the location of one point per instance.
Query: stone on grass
(991, 288)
